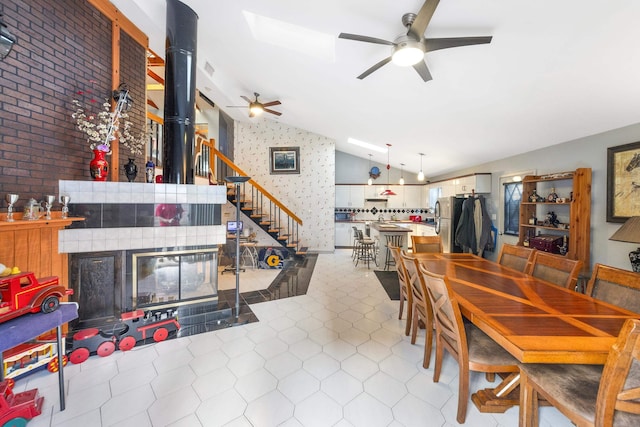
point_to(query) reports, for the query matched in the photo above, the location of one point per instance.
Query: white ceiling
(554, 71)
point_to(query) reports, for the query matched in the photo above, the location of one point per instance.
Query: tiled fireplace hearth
(131, 227)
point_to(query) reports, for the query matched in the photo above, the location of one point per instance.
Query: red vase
(98, 166)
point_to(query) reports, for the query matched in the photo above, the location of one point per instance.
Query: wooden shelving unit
(575, 213)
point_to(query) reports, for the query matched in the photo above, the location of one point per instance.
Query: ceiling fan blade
(423, 18)
(423, 70)
(246, 99)
(367, 39)
(271, 104)
(448, 42)
(374, 68)
(272, 112)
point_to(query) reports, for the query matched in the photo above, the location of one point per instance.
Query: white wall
(355, 170)
(311, 194)
(588, 152)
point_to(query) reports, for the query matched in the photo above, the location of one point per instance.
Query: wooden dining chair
(516, 257)
(589, 395)
(615, 286)
(422, 310)
(472, 348)
(555, 269)
(424, 244)
(403, 283)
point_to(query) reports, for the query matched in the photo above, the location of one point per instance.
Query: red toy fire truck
(22, 293)
(16, 409)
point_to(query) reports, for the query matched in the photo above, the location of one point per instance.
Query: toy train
(134, 326)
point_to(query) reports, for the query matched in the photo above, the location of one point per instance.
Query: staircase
(264, 210)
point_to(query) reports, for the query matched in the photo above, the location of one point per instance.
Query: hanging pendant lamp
(388, 191)
(401, 174)
(421, 174)
(370, 180)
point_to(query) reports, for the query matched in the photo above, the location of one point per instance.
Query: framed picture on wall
(623, 182)
(284, 160)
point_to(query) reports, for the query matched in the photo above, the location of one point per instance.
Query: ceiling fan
(256, 107)
(409, 49)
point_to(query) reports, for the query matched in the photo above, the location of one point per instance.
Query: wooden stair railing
(261, 206)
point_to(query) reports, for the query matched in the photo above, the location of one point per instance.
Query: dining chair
(472, 348)
(555, 269)
(422, 310)
(516, 257)
(424, 244)
(615, 286)
(589, 395)
(405, 291)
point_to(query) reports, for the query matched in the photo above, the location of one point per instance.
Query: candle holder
(11, 200)
(64, 200)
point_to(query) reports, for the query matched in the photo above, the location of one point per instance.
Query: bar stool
(354, 253)
(392, 240)
(366, 249)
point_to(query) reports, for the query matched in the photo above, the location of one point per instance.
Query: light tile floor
(334, 357)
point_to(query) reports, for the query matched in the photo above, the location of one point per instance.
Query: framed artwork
(284, 160)
(623, 182)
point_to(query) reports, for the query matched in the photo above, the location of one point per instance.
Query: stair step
(265, 222)
(302, 251)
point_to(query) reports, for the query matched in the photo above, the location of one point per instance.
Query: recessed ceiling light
(366, 145)
(291, 36)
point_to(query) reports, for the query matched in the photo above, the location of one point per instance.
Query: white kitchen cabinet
(373, 192)
(349, 196)
(407, 196)
(344, 234)
(425, 230)
(480, 183)
(447, 188)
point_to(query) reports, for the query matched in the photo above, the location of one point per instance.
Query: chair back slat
(446, 313)
(615, 286)
(555, 269)
(516, 257)
(426, 244)
(619, 390)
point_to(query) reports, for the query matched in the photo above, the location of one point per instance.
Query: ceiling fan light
(256, 109)
(407, 53)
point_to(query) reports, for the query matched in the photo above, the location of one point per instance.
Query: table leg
(502, 397)
(60, 366)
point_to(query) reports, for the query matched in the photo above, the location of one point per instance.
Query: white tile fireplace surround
(100, 239)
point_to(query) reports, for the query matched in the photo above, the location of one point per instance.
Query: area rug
(389, 281)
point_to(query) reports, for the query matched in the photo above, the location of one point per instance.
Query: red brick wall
(62, 47)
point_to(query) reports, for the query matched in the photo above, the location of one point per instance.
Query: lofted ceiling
(555, 71)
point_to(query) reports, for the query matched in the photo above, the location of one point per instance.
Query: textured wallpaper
(311, 194)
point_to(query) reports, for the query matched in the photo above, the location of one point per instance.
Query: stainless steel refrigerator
(447, 214)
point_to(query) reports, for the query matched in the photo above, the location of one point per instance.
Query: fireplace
(168, 278)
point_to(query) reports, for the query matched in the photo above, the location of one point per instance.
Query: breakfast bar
(387, 232)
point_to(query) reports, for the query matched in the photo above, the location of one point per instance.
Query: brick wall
(63, 47)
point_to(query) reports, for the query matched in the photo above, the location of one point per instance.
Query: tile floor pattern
(334, 357)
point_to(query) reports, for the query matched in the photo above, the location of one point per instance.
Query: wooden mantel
(33, 245)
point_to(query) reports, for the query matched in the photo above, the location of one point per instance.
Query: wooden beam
(110, 11)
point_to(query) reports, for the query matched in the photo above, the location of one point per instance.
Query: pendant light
(401, 173)
(388, 191)
(370, 180)
(421, 174)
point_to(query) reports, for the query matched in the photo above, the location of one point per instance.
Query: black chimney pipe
(179, 94)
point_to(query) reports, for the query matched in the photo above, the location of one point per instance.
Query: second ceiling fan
(409, 48)
(256, 107)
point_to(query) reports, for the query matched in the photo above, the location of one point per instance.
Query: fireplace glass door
(174, 277)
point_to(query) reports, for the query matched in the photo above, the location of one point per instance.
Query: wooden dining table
(534, 320)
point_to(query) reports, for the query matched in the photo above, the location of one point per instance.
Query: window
(512, 198)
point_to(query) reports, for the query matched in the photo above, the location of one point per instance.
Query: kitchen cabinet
(344, 234)
(425, 230)
(407, 196)
(349, 196)
(573, 211)
(480, 183)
